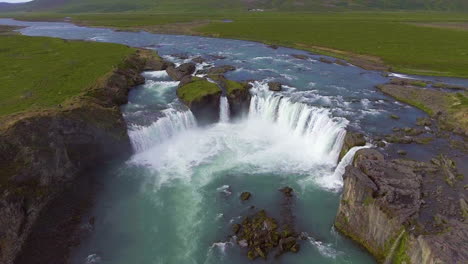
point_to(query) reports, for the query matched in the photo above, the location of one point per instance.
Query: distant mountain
(78, 6)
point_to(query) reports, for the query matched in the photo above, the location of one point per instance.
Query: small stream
(176, 198)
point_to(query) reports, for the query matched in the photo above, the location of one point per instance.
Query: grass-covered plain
(401, 41)
(39, 72)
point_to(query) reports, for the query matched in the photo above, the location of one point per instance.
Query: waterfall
(173, 122)
(224, 110)
(335, 180)
(322, 133)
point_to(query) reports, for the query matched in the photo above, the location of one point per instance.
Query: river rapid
(176, 198)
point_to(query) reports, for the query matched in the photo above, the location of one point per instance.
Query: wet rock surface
(178, 73)
(245, 196)
(275, 86)
(217, 70)
(352, 139)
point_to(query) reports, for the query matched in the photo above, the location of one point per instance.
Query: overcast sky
(15, 1)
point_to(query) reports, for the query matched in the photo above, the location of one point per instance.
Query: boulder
(300, 56)
(217, 70)
(245, 196)
(275, 86)
(261, 234)
(273, 47)
(180, 72)
(198, 60)
(351, 140)
(423, 121)
(325, 60)
(287, 191)
(341, 62)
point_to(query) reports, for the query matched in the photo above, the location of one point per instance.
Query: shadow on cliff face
(63, 224)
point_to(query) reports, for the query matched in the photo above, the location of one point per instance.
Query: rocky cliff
(41, 152)
(404, 211)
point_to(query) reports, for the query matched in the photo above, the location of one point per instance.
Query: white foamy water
(155, 74)
(321, 135)
(278, 135)
(335, 181)
(326, 250)
(224, 112)
(143, 138)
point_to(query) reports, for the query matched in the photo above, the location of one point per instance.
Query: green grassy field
(403, 41)
(404, 46)
(41, 72)
(183, 6)
(393, 38)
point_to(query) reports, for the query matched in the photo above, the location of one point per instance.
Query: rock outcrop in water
(202, 96)
(237, 93)
(275, 86)
(262, 234)
(352, 139)
(180, 72)
(41, 152)
(404, 211)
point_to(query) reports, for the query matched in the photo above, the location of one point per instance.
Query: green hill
(84, 6)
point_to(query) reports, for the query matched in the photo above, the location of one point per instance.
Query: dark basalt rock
(423, 121)
(351, 140)
(325, 60)
(202, 97)
(341, 62)
(237, 93)
(180, 72)
(198, 60)
(181, 56)
(273, 47)
(402, 152)
(217, 57)
(261, 234)
(287, 191)
(245, 196)
(300, 56)
(218, 70)
(398, 138)
(392, 203)
(275, 86)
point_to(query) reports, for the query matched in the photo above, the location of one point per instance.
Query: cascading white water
(173, 122)
(224, 110)
(322, 133)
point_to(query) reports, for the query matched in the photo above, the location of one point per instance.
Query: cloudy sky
(14, 1)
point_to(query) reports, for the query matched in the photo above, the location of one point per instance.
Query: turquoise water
(176, 198)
